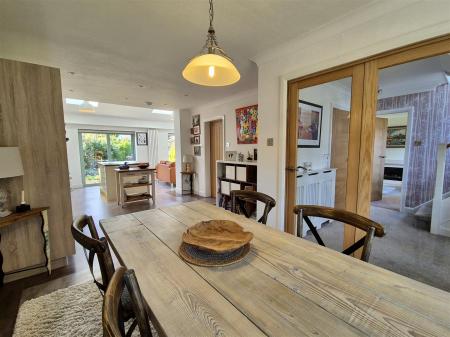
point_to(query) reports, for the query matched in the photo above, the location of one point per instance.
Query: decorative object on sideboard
(240, 157)
(230, 155)
(124, 166)
(255, 154)
(187, 162)
(212, 67)
(309, 124)
(143, 165)
(11, 166)
(23, 207)
(249, 156)
(247, 124)
(142, 138)
(197, 150)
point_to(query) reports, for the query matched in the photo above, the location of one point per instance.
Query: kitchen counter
(108, 178)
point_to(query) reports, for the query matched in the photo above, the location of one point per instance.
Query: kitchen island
(108, 178)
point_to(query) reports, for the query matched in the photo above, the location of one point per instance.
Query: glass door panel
(94, 148)
(121, 147)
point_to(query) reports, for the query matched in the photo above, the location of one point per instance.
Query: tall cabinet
(31, 117)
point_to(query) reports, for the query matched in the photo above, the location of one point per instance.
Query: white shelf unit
(316, 188)
(233, 175)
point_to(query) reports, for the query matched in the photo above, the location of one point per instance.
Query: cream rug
(68, 312)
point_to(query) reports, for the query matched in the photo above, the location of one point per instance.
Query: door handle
(382, 156)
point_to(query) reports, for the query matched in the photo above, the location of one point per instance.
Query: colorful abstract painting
(247, 125)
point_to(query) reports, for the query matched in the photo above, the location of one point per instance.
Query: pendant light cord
(211, 15)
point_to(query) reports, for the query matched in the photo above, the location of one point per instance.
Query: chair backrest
(370, 227)
(239, 198)
(94, 245)
(112, 317)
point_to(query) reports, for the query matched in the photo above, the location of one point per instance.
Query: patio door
(98, 146)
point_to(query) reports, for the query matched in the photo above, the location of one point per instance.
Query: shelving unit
(130, 190)
(232, 175)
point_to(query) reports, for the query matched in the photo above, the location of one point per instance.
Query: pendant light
(212, 67)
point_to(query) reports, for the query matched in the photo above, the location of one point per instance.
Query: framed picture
(230, 155)
(196, 120)
(247, 125)
(197, 150)
(309, 124)
(196, 139)
(141, 138)
(196, 130)
(192, 131)
(396, 137)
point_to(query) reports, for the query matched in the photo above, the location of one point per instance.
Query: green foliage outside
(95, 149)
(172, 154)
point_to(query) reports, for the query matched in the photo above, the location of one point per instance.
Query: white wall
(379, 27)
(222, 109)
(329, 95)
(163, 144)
(182, 142)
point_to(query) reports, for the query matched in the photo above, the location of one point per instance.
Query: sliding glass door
(98, 146)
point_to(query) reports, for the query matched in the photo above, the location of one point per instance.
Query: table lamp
(11, 166)
(187, 161)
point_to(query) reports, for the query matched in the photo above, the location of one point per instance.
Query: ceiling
(133, 52)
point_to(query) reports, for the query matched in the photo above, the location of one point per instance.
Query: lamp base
(4, 212)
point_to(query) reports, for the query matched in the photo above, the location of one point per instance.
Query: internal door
(379, 155)
(339, 153)
(216, 151)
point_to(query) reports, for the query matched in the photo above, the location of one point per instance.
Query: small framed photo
(230, 155)
(196, 139)
(196, 120)
(197, 150)
(196, 130)
(141, 138)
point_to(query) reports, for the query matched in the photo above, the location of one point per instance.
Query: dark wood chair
(371, 228)
(112, 316)
(239, 198)
(94, 245)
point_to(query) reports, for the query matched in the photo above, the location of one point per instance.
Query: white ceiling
(130, 52)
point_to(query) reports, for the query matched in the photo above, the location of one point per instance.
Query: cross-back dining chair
(94, 245)
(112, 315)
(371, 228)
(240, 197)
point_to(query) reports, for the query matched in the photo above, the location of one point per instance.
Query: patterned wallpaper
(430, 126)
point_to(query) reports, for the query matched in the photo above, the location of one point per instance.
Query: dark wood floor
(84, 201)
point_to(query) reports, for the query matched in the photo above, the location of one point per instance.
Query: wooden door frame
(206, 131)
(362, 121)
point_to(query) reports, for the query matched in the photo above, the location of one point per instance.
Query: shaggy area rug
(68, 312)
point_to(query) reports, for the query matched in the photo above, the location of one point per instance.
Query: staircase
(440, 215)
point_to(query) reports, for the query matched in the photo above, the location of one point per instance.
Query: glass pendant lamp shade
(212, 67)
(211, 70)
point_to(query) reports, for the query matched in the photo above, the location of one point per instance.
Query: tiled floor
(84, 201)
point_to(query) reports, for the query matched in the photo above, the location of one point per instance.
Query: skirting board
(413, 210)
(58, 263)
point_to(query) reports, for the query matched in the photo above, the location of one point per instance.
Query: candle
(23, 197)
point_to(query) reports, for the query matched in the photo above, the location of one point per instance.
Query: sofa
(165, 171)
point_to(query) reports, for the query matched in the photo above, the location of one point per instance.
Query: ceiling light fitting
(212, 67)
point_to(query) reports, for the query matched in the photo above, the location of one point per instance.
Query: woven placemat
(204, 258)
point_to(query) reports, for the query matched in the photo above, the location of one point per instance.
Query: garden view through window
(104, 145)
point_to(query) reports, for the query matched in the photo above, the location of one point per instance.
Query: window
(171, 142)
(97, 146)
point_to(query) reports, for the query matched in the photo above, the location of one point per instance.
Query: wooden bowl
(217, 236)
(143, 165)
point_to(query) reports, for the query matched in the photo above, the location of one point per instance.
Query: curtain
(152, 147)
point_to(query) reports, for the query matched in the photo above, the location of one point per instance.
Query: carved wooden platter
(217, 236)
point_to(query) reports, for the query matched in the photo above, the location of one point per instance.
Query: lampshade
(211, 70)
(11, 162)
(187, 159)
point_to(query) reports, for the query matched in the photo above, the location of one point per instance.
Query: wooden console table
(123, 197)
(14, 218)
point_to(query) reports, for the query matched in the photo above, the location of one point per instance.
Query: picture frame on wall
(196, 130)
(196, 139)
(197, 150)
(396, 137)
(247, 124)
(309, 124)
(141, 138)
(196, 120)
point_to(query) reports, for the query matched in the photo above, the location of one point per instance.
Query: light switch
(269, 141)
(227, 145)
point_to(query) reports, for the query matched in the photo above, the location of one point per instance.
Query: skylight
(162, 112)
(80, 102)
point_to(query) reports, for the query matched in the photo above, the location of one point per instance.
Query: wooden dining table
(285, 286)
